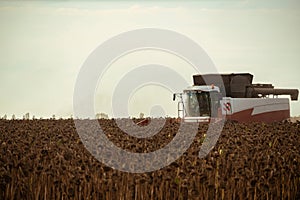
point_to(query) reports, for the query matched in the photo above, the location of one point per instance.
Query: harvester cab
(199, 103)
(234, 97)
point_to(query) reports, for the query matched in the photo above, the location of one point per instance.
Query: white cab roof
(206, 88)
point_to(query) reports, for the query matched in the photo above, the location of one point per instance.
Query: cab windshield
(197, 103)
(201, 103)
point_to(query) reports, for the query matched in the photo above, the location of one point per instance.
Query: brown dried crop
(45, 159)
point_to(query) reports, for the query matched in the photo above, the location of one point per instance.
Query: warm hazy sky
(44, 44)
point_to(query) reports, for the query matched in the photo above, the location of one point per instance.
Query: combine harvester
(234, 97)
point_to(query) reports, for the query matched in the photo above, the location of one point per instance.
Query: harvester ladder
(180, 109)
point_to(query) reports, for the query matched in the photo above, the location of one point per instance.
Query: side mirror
(174, 97)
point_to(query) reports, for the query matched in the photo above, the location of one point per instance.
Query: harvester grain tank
(235, 97)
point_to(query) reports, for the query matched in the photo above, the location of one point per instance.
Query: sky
(43, 46)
